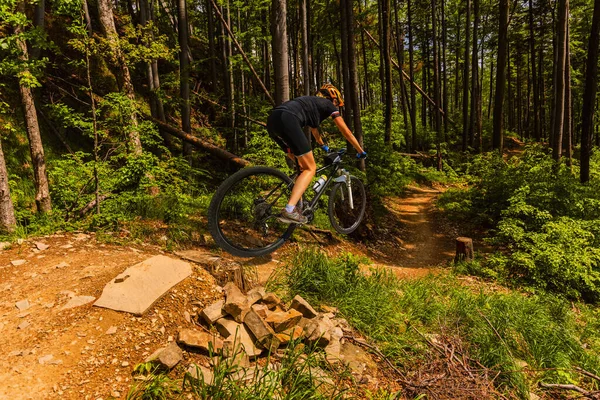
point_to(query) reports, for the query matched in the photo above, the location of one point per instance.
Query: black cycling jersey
(310, 110)
(287, 120)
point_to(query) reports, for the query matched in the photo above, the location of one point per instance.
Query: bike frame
(334, 169)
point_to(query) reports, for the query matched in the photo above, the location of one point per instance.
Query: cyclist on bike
(285, 127)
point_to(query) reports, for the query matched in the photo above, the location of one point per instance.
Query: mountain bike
(244, 213)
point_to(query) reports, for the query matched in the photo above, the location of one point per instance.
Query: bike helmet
(331, 92)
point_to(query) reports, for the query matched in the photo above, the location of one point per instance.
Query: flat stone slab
(138, 287)
(200, 257)
(78, 301)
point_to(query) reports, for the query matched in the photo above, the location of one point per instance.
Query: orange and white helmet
(331, 92)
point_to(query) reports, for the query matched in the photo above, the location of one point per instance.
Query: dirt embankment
(89, 353)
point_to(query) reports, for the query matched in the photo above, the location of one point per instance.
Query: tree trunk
(105, 14)
(559, 83)
(498, 134)
(568, 131)
(305, 63)
(345, 62)
(403, 100)
(211, 45)
(42, 195)
(353, 78)
(184, 72)
(280, 51)
(436, 85)
(474, 132)
(7, 211)
(413, 90)
(537, 134)
(387, 69)
(589, 95)
(465, 113)
(445, 70)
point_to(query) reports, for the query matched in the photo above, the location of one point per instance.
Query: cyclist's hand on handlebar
(325, 148)
(362, 155)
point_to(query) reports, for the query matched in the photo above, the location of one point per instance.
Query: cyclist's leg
(295, 137)
(308, 168)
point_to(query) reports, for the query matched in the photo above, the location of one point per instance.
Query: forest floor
(88, 352)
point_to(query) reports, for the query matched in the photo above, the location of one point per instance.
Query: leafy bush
(544, 221)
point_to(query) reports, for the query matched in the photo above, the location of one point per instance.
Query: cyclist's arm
(317, 136)
(339, 122)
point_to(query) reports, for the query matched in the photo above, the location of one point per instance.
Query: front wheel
(243, 213)
(347, 207)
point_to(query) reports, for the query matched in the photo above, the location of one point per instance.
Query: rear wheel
(243, 213)
(345, 216)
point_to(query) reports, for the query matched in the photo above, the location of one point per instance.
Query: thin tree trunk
(465, 114)
(498, 133)
(88, 18)
(233, 142)
(367, 89)
(589, 95)
(436, 86)
(42, 195)
(106, 17)
(400, 49)
(387, 69)
(8, 221)
(474, 133)
(305, 64)
(353, 79)
(537, 134)
(280, 51)
(445, 70)
(559, 83)
(413, 94)
(345, 62)
(184, 72)
(568, 131)
(211, 45)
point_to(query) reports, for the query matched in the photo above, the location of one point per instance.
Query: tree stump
(464, 249)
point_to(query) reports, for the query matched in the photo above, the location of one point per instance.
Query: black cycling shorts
(284, 128)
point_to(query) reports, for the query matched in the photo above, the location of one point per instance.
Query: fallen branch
(574, 388)
(588, 374)
(92, 204)
(201, 144)
(378, 352)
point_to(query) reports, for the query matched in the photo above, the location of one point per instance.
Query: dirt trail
(413, 239)
(424, 243)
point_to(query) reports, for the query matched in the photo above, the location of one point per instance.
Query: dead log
(464, 249)
(199, 143)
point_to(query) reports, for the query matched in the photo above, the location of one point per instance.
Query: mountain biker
(285, 124)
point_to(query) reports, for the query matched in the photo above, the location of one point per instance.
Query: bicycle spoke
(248, 213)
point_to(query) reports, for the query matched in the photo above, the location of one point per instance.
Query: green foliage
(545, 222)
(497, 328)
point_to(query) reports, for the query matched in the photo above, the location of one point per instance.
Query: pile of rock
(257, 323)
(260, 323)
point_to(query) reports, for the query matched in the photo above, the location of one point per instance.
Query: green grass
(500, 327)
(299, 376)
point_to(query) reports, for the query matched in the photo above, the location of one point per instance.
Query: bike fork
(349, 186)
